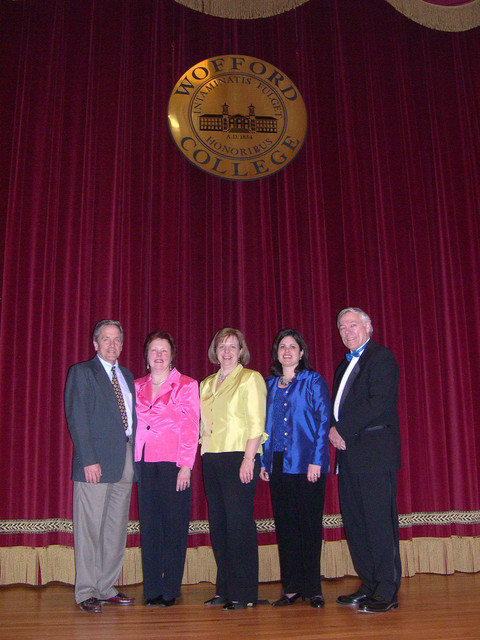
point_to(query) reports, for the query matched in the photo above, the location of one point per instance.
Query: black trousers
(164, 515)
(368, 502)
(232, 527)
(298, 512)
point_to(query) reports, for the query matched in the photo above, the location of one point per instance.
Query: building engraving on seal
(237, 117)
(237, 123)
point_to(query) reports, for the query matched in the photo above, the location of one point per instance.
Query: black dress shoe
(352, 599)
(120, 598)
(92, 605)
(284, 601)
(216, 600)
(231, 605)
(317, 602)
(153, 602)
(166, 603)
(377, 605)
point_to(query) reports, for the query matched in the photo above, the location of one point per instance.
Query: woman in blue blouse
(296, 461)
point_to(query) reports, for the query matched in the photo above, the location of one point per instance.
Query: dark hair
(276, 368)
(106, 323)
(159, 335)
(221, 336)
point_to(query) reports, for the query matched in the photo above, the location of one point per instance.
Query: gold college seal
(237, 117)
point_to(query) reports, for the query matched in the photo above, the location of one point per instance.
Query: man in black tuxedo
(100, 410)
(366, 434)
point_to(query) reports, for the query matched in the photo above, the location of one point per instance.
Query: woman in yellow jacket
(233, 405)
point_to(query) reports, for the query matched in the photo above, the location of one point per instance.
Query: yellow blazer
(233, 414)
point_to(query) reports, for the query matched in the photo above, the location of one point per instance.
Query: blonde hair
(221, 336)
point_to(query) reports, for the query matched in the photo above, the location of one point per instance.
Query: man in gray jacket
(100, 411)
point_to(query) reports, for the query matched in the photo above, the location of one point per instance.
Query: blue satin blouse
(306, 423)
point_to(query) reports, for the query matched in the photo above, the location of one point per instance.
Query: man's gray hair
(106, 323)
(364, 316)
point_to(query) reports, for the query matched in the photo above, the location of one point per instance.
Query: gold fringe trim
(454, 18)
(40, 565)
(245, 10)
(18, 565)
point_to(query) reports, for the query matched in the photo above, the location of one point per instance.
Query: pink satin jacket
(168, 427)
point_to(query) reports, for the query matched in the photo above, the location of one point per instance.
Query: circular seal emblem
(237, 117)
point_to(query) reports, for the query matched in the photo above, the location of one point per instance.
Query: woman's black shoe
(230, 606)
(167, 603)
(215, 601)
(284, 601)
(154, 602)
(317, 602)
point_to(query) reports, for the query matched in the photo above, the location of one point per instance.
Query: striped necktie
(119, 396)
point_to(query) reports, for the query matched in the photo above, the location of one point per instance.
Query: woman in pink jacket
(165, 446)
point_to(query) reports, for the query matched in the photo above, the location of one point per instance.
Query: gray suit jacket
(94, 420)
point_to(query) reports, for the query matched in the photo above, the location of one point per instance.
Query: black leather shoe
(353, 598)
(317, 602)
(92, 605)
(230, 606)
(153, 602)
(166, 603)
(216, 600)
(377, 605)
(284, 601)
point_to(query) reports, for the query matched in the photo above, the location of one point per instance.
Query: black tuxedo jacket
(94, 420)
(368, 416)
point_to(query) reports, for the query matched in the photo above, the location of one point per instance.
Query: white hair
(364, 316)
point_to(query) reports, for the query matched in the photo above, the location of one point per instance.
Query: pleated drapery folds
(103, 217)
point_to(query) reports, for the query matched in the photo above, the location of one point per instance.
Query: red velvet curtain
(103, 217)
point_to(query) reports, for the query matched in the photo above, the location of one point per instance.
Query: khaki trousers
(100, 521)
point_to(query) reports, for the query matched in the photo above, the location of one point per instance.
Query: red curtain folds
(104, 218)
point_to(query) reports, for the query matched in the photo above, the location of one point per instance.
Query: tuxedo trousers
(368, 502)
(233, 530)
(298, 511)
(164, 518)
(100, 521)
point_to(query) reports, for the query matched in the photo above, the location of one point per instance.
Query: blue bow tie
(355, 354)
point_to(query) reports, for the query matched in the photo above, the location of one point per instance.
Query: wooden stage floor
(432, 607)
